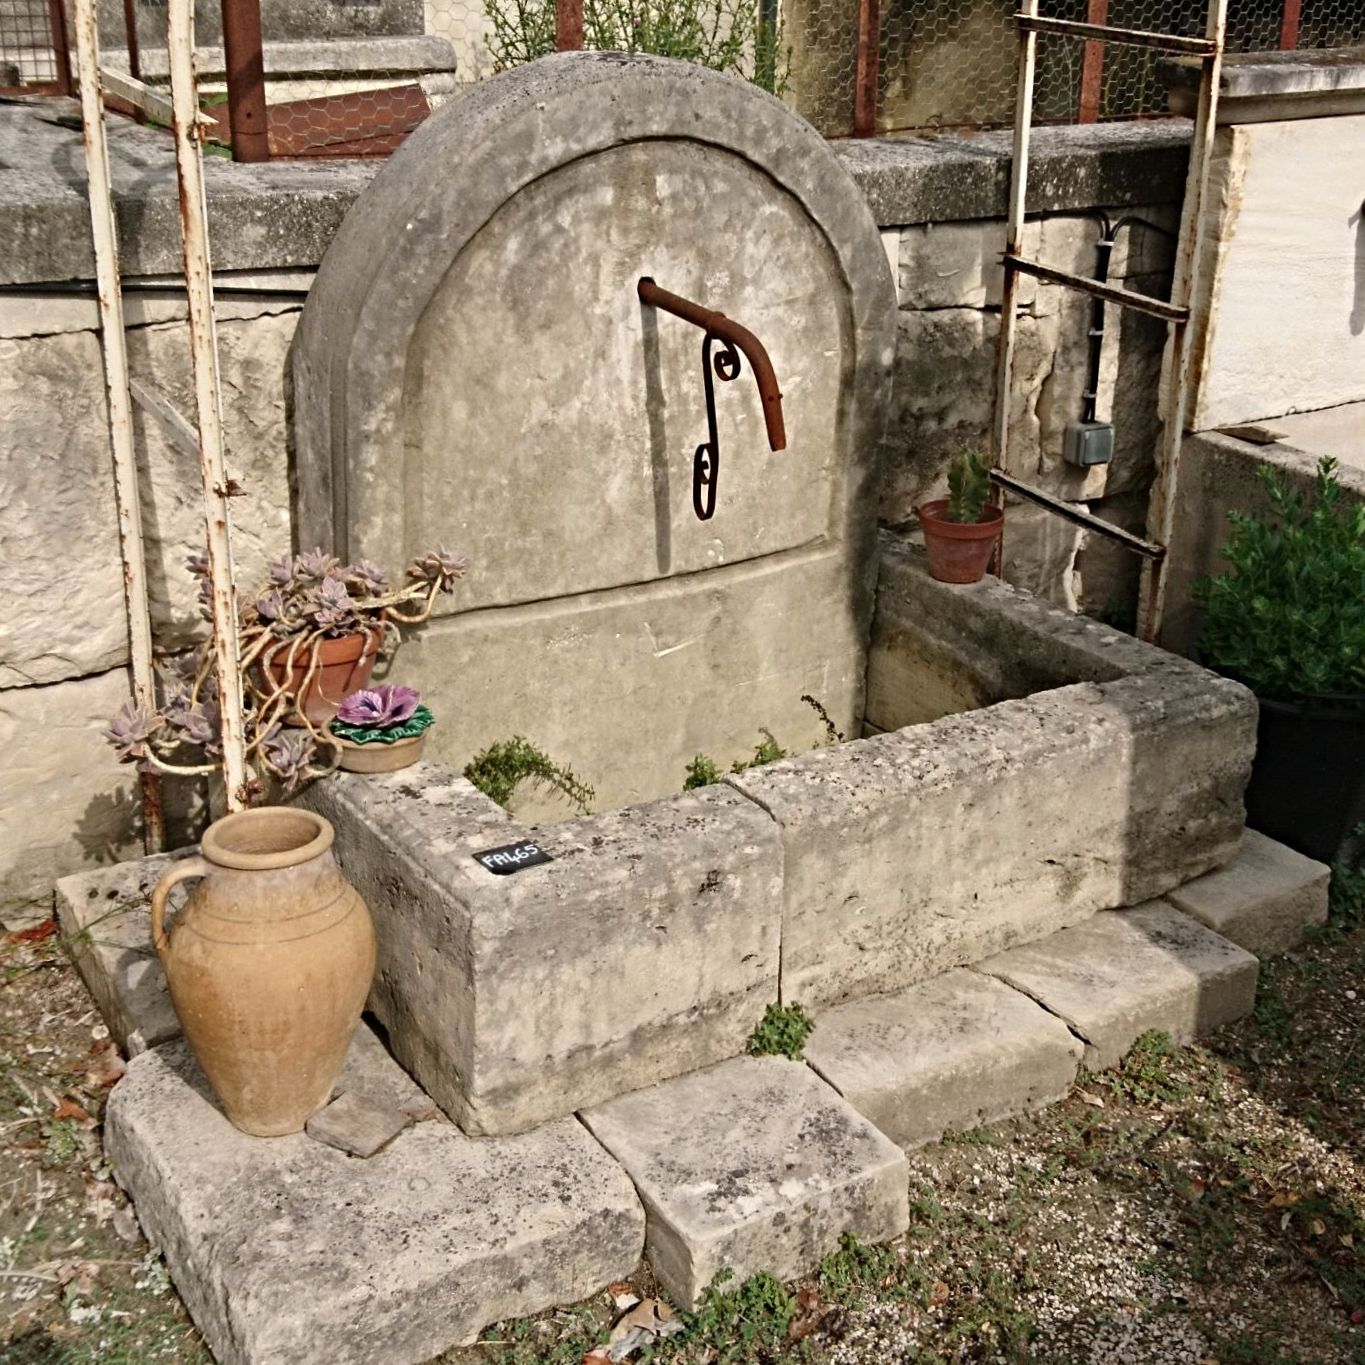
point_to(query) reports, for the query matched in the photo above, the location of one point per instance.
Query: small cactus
(969, 487)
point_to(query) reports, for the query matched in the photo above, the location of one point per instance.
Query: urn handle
(179, 872)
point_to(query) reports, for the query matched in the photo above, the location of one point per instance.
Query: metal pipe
(208, 399)
(1289, 23)
(1128, 298)
(868, 63)
(1107, 33)
(245, 63)
(1067, 512)
(88, 287)
(728, 330)
(113, 344)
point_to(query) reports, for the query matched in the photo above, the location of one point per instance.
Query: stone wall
(66, 804)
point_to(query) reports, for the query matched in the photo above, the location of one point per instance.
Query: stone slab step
(286, 1250)
(1264, 900)
(754, 1164)
(105, 916)
(1124, 972)
(951, 1053)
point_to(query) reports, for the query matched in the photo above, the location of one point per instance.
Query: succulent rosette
(382, 714)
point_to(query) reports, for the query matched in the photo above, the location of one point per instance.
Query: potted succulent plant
(1287, 618)
(382, 728)
(308, 638)
(961, 530)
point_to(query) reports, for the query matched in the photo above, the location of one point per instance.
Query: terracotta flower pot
(344, 666)
(269, 964)
(958, 551)
(381, 758)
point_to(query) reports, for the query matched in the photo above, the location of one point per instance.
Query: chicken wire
(954, 63)
(28, 54)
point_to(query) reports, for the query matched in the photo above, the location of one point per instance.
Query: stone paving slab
(1122, 973)
(950, 1053)
(286, 1250)
(1264, 900)
(105, 916)
(754, 1164)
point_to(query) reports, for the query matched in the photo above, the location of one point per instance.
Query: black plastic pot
(1307, 784)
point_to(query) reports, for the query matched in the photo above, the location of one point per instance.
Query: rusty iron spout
(729, 331)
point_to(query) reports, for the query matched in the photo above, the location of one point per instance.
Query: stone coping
(283, 214)
(407, 54)
(1262, 87)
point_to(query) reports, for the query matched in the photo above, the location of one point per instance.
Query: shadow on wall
(1358, 312)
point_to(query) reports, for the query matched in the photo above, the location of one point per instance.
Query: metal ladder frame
(1175, 372)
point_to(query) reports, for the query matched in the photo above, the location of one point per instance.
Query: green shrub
(725, 35)
(969, 487)
(704, 770)
(781, 1033)
(1288, 616)
(502, 767)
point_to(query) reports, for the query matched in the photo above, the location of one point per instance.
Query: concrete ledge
(283, 215)
(1120, 975)
(1264, 900)
(752, 1165)
(945, 1055)
(288, 1250)
(646, 948)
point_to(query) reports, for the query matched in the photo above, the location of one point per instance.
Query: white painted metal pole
(208, 396)
(1014, 236)
(1175, 379)
(114, 346)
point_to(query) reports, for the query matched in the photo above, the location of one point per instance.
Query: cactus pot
(958, 551)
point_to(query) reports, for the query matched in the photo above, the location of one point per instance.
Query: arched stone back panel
(473, 368)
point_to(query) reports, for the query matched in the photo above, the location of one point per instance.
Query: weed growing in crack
(782, 1033)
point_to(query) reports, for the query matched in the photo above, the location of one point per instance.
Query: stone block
(959, 265)
(628, 600)
(1263, 900)
(67, 803)
(647, 947)
(106, 919)
(755, 1164)
(1121, 974)
(357, 1126)
(286, 1250)
(1089, 797)
(948, 1054)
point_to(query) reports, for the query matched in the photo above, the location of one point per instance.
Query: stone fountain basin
(1023, 769)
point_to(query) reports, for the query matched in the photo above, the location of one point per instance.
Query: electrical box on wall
(1088, 443)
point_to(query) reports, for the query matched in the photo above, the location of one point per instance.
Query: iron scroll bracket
(724, 364)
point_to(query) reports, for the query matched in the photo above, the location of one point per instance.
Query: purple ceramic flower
(379, 706)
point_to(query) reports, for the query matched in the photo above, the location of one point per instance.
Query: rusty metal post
(1289, 23)
(189, 166)
(134, 47)
(1092, 66)
(568, 25)
(245, 60)
(61, 47)
(869, 59)
(113, 344)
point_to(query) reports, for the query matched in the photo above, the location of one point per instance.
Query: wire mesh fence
(343, 78)
(952, 63)
(33, 51)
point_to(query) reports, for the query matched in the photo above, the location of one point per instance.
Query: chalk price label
(509, 858)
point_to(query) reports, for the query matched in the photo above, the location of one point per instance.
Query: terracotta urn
(344, 665)
(269, 964)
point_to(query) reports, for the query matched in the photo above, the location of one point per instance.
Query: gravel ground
(1202, 1206)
